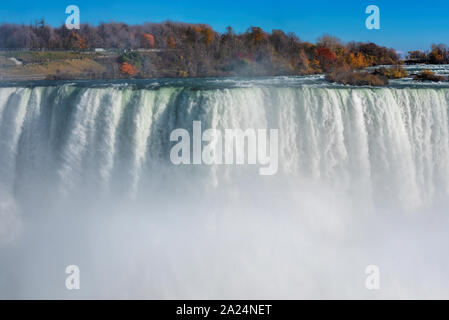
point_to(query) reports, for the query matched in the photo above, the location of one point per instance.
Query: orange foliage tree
(148, 40)
(171, 42)
(78, 40)
(325, 57)
(128, 69)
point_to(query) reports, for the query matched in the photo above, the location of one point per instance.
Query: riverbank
(71, 65)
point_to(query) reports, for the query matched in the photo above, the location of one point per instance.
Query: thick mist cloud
(10, 223)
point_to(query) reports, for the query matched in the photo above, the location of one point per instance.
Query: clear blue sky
(405, 25)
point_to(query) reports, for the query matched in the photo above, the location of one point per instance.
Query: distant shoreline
(80, 76)
(73, 65)
(185, 50)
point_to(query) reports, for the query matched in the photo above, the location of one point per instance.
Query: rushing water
(86, 179)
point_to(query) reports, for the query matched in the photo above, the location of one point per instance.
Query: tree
(171, 42)
(303, 62)
(325, 57)
(202, 51)
(331, 42)
(436, 56)
(209, 36)
(128, 69)
(256, 35)
(147, 40)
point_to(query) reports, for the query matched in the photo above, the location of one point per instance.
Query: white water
(85, 178)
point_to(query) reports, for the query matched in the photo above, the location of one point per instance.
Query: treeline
(438, 54)
(198, 50)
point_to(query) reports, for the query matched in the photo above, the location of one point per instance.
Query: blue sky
(405, 25)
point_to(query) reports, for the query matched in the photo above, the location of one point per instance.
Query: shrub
(347, 76)
(131, 57)
(395, 72)
(427, 75)
(128, 69)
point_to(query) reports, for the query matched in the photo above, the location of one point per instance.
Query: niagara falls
(86, 175)
(213, 160)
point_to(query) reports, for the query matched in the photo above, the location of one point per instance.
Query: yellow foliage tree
(209, 36)
(358, 60)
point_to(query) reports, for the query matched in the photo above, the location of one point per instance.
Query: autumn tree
(417, 55)
(330, 42)
(171, 42)
(436, 55)
(256, 35)
(78, 41)
(303, 63)
(132, 58)
(128, 69)
(357, 60)
(208, 36)
(325, 57)
(203, 52)
(148, 40)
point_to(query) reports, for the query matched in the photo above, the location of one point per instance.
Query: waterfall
(389, 144)
(86, 178)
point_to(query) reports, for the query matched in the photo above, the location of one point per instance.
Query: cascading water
(86, 178)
